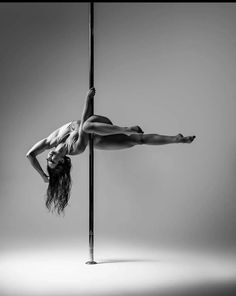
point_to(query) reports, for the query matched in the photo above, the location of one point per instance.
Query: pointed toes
(140, 130)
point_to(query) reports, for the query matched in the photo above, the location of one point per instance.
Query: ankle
(179, 138)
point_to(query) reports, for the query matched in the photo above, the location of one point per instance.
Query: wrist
(90, 96)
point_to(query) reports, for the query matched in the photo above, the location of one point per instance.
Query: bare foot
(181, 139)
(135, 130)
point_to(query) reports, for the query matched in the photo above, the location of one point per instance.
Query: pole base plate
(91, 262)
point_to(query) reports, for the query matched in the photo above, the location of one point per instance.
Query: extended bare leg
(156, 139)
(122, 141)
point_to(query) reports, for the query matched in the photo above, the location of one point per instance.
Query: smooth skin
(106, 135)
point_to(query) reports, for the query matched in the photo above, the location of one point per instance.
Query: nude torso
(62, 134)
(67, 134)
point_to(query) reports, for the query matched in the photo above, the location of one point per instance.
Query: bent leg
(100, 126)
(103, 129)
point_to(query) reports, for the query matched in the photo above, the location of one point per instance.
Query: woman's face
(54, 158)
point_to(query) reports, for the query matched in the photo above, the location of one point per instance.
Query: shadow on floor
(213, 289)
(104, 261)
(209, 289)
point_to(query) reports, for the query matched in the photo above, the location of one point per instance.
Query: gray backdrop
(170, 68)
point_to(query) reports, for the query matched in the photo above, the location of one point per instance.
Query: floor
(48, 270)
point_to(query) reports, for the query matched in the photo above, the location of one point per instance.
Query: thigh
(99, 118)
(113, 142)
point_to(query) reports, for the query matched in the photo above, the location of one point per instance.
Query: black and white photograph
(118, 149)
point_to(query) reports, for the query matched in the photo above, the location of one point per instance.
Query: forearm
(34, 162)
(88, 109)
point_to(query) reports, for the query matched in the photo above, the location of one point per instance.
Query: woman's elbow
(30, 154)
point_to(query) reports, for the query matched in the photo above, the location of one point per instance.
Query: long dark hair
(58, 192)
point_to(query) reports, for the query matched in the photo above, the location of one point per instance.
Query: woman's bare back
(61, 134)
(68, 134)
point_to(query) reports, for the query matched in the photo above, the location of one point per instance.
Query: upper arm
(39, 147)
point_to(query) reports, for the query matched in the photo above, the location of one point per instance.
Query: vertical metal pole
(91, 149)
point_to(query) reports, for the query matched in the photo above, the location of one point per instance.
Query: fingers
(92, 91)
(46, 178)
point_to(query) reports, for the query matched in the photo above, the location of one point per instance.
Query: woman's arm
(38, 148)
(88, 110)
(80, 142)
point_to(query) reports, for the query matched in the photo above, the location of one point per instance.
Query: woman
(72, 139)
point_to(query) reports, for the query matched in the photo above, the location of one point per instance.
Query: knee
(137, 139)
(88, 127)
